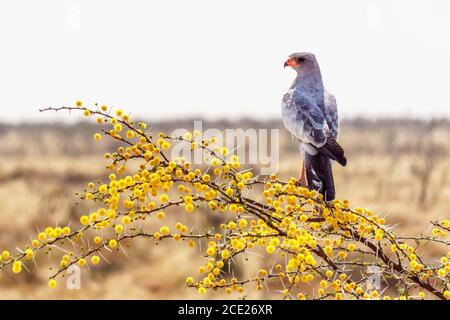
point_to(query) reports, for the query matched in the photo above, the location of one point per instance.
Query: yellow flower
(52, 283)
(160, 215)
(118, 127)
(211, 251)
(189, 280)
(224, 151)
(447, 294)
(164, 198)
(176, 237)
(225, 254)
(79, 103)
(82, 262)
(5, 254)
(111, 214)
(201, 290)
(29, 254)
(103, 188)
(112, 243)
(17, 266)
(164, 230)
(312, 243)
(270, 249)
(309, 259)
(231, 225)
(126, 220)
(98, 136)
(95, 259)
(242, 223)
(128, 204)
(262, 272)
(84, 220)
(66, 230)
(118, 228)
(189, 207)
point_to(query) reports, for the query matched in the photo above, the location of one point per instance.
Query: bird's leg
(302, 179)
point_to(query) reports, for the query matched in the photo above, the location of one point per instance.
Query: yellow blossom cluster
(316, 249)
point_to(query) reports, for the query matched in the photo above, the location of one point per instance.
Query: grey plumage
(310, 114)
(331, 115)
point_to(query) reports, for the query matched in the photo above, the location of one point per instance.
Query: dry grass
(395, 167)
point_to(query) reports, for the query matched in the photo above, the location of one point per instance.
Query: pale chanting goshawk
(309, 112)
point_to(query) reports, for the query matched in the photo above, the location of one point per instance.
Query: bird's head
(302, 62)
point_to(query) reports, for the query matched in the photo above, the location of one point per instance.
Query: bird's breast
(287, 99)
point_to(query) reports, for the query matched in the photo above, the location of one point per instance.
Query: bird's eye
(300, 59)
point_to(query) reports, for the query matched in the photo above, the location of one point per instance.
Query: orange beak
(291, 62)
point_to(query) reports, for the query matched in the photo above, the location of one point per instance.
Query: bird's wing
(307, 122)
(310, 119)
(331, 115)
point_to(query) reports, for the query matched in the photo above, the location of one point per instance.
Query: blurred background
(173, 62)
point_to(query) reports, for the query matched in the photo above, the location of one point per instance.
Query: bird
(309, 112)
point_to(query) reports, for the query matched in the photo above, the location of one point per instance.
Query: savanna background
(173, 62)
(396, 167)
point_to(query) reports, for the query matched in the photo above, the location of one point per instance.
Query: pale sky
(222, 59)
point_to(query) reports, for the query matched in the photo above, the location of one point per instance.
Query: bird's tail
(319, 175)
